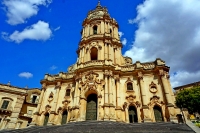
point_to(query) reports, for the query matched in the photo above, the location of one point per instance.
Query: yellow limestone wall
(107, 77)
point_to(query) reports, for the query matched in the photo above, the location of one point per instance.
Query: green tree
(190, 99)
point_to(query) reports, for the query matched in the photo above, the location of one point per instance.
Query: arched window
(110, 31)
(129, 86)
(94, 53)
(95, 29)
(67, 92)
(5, 102)
(34, 98)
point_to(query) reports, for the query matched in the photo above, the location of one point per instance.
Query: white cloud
(184, 77)
(169, 29)
(124, 41)
(26, 75)
(57, 28)
(18, 11)
(53, 67)
(131, 21)
(4, 35)
(120, 34)
(38, 31)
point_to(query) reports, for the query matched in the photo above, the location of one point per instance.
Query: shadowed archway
(157, 113)
(132, 111)
(91, 109)
(46, 118)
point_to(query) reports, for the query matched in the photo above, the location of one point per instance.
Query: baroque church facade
(105, 86)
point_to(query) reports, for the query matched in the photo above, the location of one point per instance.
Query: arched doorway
(157, 113)
(132, 111)
(46, 118)
(64, 117)
(91, 109)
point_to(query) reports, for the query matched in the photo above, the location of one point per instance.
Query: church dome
(98, 13)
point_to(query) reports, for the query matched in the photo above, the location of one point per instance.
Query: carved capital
(58, 85)
(140, 75)
(117, 78)
(108, 73)
(44, 86)
(162, 73)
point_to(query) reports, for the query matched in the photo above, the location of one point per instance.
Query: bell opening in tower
(95, 29)
(94, 53)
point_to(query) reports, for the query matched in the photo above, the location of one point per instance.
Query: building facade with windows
(16, 106)
(105, 86)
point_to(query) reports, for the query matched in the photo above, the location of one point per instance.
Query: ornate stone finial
(8, 83)
(99, 4)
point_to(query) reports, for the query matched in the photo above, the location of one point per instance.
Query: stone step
(107, 127)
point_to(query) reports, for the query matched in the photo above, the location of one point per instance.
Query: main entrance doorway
(158, 114)
(64, 117)
(91, 109)
(132, 114)
(46, 118)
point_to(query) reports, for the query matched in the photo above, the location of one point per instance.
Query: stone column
(169, 99)
(109, 52)
(79, 57)
(106, 101)
(106, 89)
(126, 115)
(15, 114)
(118, 103)
(110, 90)
(83, 102)
(144, 98)
(84, 29)
(166, 87)
(34, 120)
(54, 107)
(106, 51)
(76, 105)
(102, 27)
(83, 54)
(76, 93)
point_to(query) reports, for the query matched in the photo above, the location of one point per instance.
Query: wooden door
(158, 114)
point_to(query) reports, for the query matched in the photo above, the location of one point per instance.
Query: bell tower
(100, 38)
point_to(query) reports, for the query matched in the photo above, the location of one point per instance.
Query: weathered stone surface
(107, 127)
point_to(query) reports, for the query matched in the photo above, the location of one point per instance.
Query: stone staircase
(107, 127)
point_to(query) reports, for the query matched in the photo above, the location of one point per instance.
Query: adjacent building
(187, 86)
(16, 106)
(103, 85)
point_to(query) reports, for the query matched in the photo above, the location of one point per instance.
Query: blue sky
(42, 36)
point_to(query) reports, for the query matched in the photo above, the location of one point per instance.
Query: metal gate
(158, 114)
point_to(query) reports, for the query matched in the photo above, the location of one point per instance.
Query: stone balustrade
(128, 68)
(91, 63)
(148, 65)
